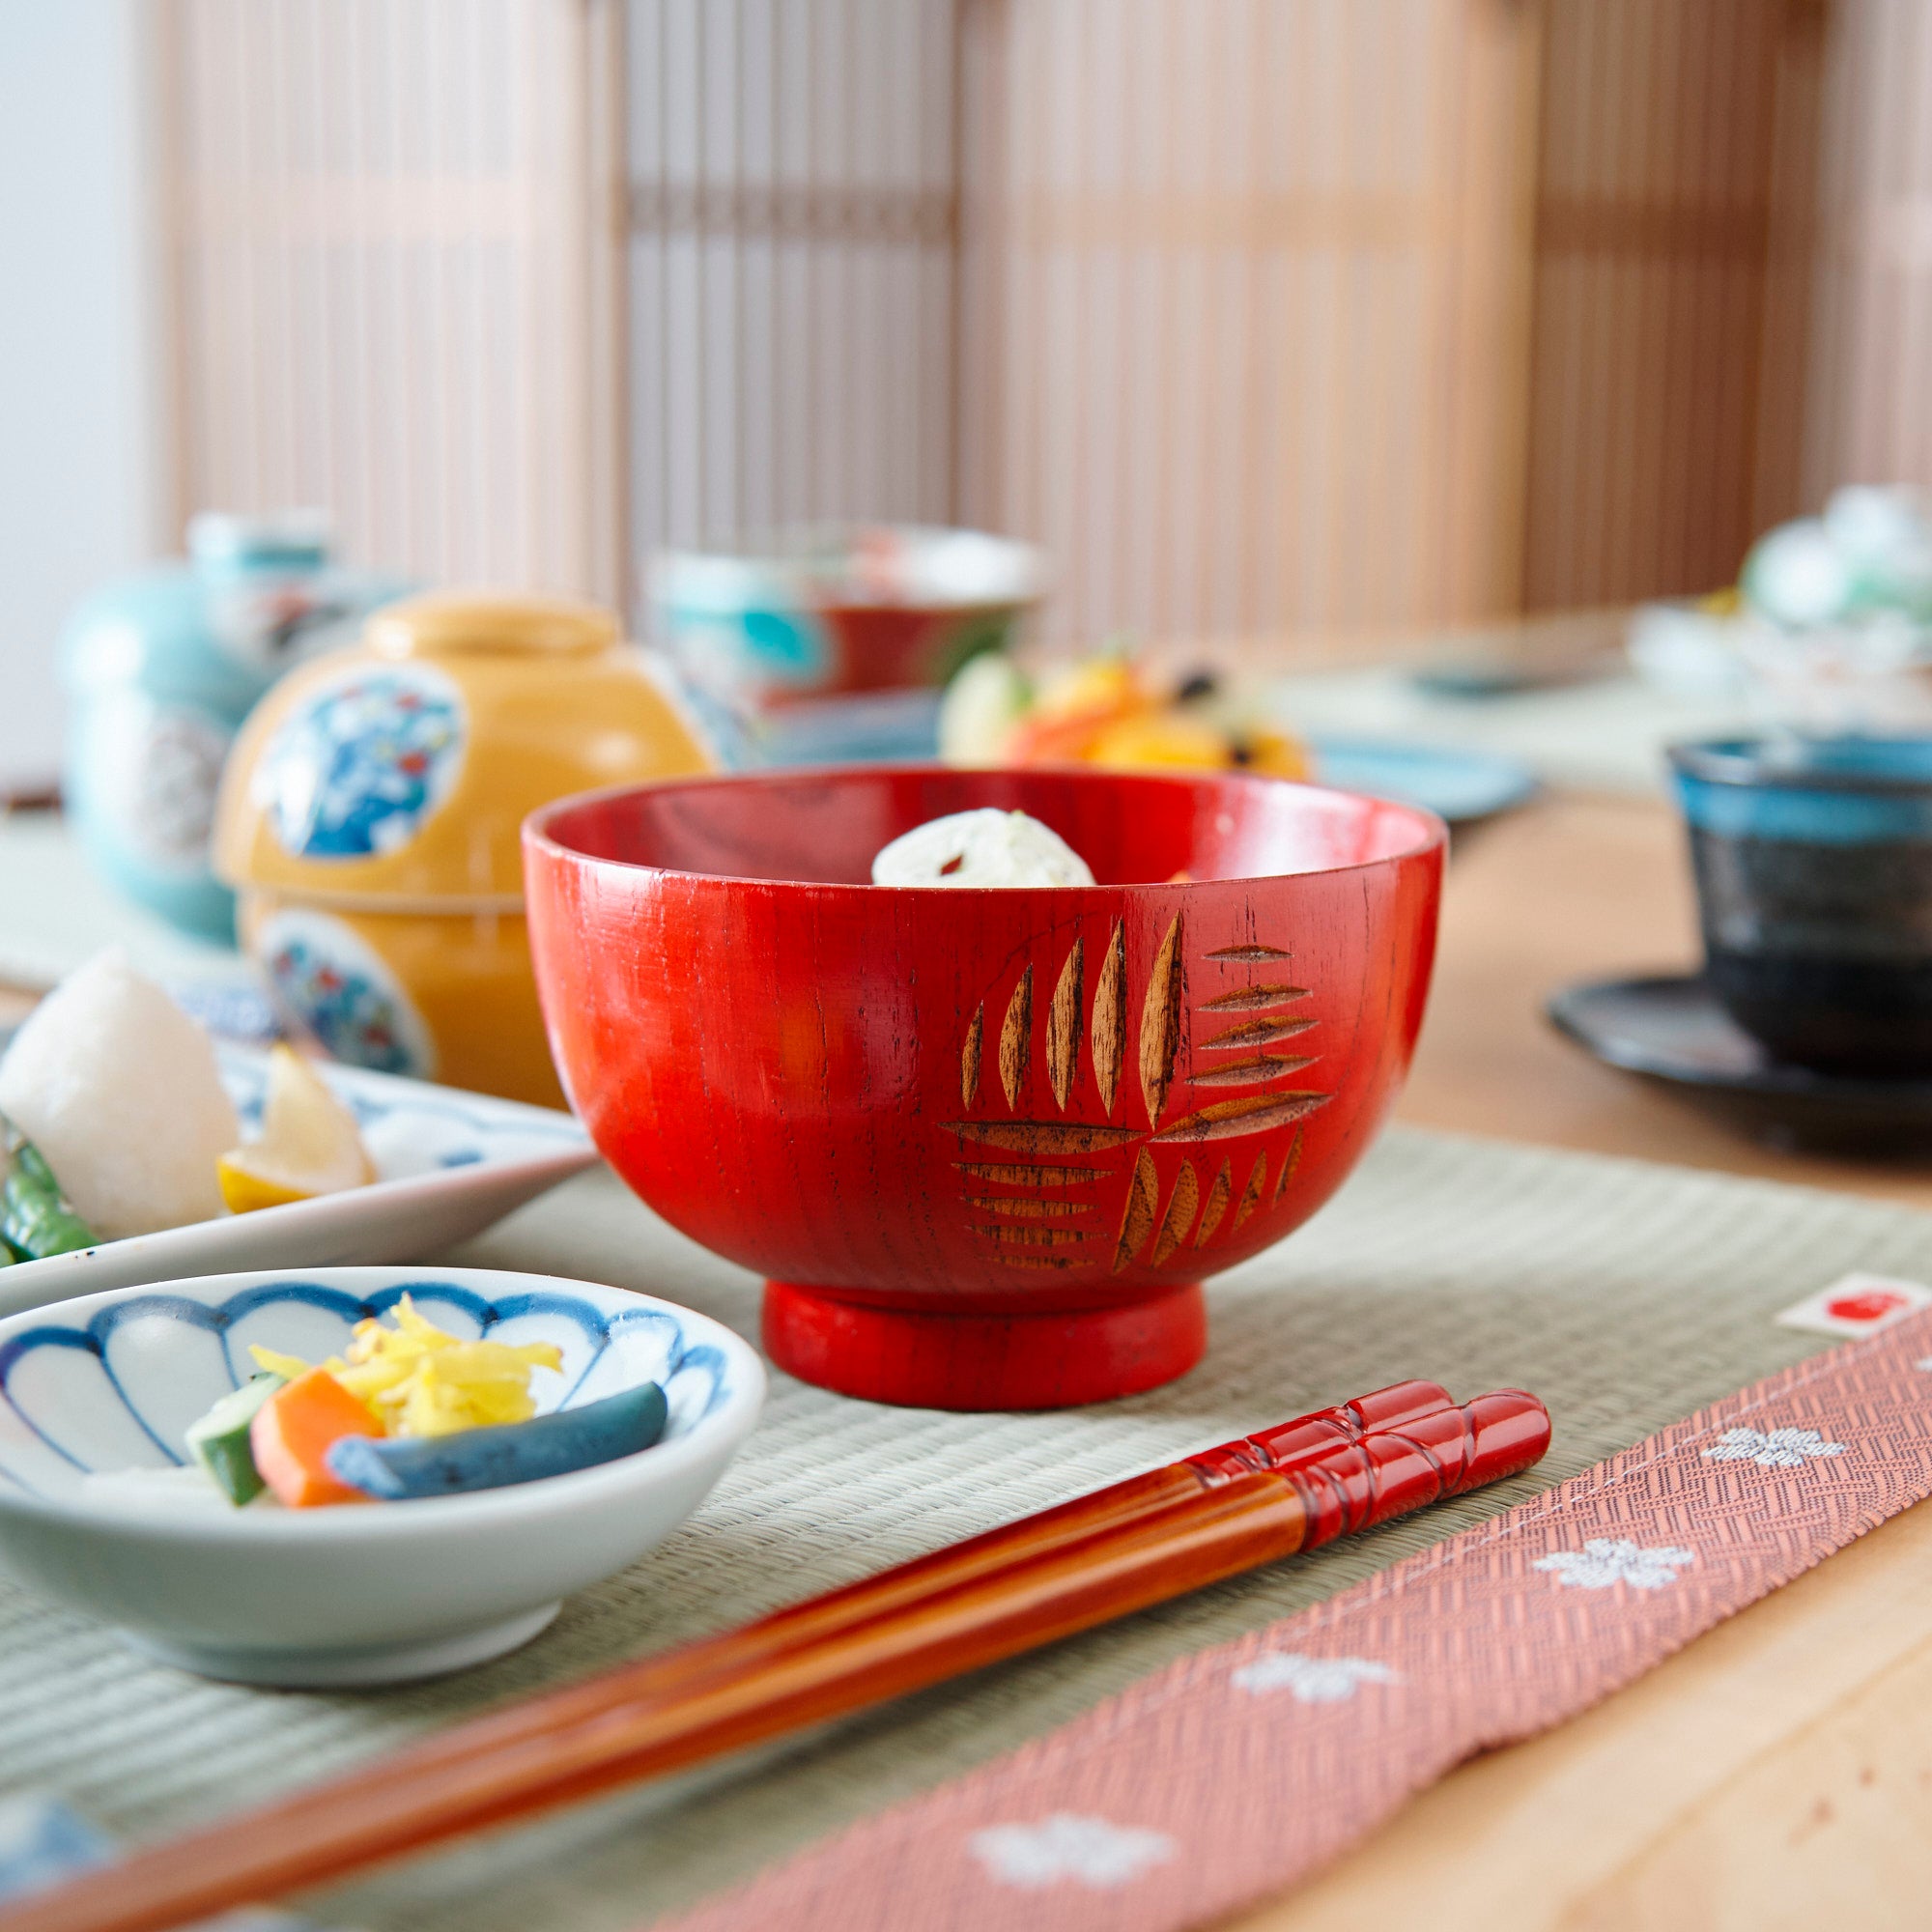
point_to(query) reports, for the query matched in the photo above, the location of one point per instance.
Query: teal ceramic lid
(259, 596)
(218, 540)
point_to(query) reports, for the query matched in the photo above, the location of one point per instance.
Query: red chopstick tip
(1400, 1401)
(1421, 1459)
(1509, 1430)
(1313, 1438)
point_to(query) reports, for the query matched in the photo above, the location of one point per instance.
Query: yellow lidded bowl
(369, 821)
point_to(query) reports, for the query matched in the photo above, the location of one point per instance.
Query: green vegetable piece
(219, 1440)
(397, 1469)
(35, 1218)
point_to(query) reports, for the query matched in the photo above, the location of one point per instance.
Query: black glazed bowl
(1813, 858)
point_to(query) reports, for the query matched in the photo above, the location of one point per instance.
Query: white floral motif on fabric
(1312, 1679)
(1064, 1845)
(1772, 1448)
(1605, 1561)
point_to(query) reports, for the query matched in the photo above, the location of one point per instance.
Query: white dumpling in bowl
(121, 1091)
(987, 847)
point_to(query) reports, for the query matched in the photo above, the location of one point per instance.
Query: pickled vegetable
(35, 1218)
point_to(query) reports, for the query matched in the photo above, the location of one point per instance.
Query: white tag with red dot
(1856, 1304)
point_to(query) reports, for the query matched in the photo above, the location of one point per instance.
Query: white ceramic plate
(449, 1163)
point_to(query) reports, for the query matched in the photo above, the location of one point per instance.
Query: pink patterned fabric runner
(1238, 1771)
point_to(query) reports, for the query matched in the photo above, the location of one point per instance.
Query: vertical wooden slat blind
(1263, 315)
(1869, 403)
(1221, 355)
(1653, 264)
(792, 213)
(381, 231)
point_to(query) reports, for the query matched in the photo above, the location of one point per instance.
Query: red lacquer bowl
(984, 1143)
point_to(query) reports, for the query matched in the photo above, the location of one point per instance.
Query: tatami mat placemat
(1626, 1295)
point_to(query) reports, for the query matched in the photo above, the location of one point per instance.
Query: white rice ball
(119, 1088)
(987, 847)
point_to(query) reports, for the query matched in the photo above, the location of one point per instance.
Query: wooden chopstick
(1136, 1498)
(1102, 1557)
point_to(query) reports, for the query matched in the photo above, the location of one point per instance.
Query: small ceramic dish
(1672, 1030)
(348, 1595)
(447, 1165)
(814, 614)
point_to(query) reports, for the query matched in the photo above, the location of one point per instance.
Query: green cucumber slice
(219, 1440)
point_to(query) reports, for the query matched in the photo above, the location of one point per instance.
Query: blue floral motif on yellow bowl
(360, 766)
(339, 988)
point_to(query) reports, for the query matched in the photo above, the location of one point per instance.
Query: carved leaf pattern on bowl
(1037, 1181)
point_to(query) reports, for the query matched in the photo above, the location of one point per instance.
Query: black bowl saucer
(1672, 1030)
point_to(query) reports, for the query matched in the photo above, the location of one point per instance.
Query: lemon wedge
(309, 1145)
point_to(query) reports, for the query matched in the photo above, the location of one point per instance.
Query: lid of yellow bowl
(483, 624)
(404, 768)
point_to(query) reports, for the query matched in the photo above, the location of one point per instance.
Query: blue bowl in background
(1813, 862)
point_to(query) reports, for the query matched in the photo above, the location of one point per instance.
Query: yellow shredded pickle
(288, 1366)
(421, 1381)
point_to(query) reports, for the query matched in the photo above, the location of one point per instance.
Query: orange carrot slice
(291, 1437)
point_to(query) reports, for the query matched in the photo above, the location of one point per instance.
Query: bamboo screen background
(793, 214)
(1266, 316)
(384, 290)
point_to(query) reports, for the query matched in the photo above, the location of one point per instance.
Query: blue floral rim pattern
(696, 1376)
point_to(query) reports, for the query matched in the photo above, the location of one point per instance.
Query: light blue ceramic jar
(162, 666)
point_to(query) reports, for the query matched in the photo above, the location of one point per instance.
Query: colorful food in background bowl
(1106, 711)
(114, 1382)
(986, 1143)
(370, 813)
(822, 613)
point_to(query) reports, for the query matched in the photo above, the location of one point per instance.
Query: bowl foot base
(927, 1359)
(351, 1667)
